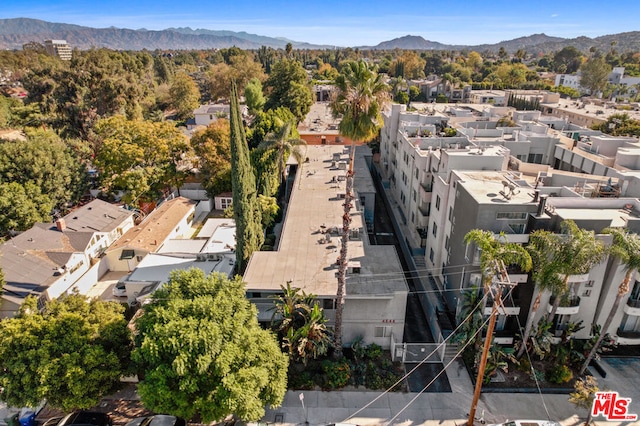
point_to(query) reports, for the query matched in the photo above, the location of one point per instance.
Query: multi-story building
(307, 250)
(58, 48)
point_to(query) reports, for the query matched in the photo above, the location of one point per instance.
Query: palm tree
(290, 309)
(494, 253)
(626, 248)
(282, 142)
(359, 99)
(542, 247)
(311, 340)
(578, 252)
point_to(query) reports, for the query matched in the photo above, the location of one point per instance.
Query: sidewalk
(448, 409)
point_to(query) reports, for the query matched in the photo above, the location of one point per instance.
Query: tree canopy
(137, 156)
(212, 146)
(288, 86)
(185, 96)
(45, 161)
(71, 353)
(203, 352)
(594, 74)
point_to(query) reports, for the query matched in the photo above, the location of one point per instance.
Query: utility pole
(497, 301)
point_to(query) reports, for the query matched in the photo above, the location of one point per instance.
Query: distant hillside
(410, 42)
(18, 31)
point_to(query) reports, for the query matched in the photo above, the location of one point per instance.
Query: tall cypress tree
(246, 208)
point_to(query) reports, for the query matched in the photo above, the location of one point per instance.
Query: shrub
(302, 380)
(337, 373)
(373, 352)
(559, 374)
(524, 365)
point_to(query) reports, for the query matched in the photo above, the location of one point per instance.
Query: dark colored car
(81, 418)
(158, 420)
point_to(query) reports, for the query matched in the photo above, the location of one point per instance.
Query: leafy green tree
(240, 67)
(269, 121)
(288, 87)
(71, 353)
(578, 251)
(270, 209)
(2, 281)
(401, 98)
(203, 352)
(626, 249)
(45, 161)
(567, 60)
(253, 96)
(185, 96)
(284, 144)
(594, 74)
(619, 125)
(212, 146)
(138, 157)
(361, 96)
(22, 205)
(246, 208)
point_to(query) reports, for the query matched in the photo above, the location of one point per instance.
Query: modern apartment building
(306, 254)
(58, 48)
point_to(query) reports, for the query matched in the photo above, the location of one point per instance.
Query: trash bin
(12, 420)
(27, 417)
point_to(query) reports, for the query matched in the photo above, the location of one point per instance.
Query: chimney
(541, 205)
(536, 195)
(61, 224)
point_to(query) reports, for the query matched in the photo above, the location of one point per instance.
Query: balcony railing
(628, 334)
(566, 301)
(633, 303)
(426, 186)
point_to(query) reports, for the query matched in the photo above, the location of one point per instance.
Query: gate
(419, 352)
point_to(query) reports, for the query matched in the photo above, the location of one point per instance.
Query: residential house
(171, 219)
(52, 259)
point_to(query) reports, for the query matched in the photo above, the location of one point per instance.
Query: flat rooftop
(309, 244)
(488, 187)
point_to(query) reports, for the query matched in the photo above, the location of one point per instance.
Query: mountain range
(16, 32)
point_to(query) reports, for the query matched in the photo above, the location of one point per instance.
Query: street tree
(138, 157)
(288, 87)
(284, 145)
(578, 251)
(203, 353)
(185, 96)
(71, 353)
(625, 248)
(595, 73)
(212, 146)
(360, 97)
(585, 390)
(246, 208)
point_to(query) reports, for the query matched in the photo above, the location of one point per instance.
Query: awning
(127, 254)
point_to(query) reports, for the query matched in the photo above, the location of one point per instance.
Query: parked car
(527, 423)
(119, 290)
(81, 418)
(158, 420)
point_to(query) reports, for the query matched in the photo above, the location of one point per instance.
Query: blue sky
(349, 23)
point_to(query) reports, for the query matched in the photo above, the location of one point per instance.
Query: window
(383, 331)
(415, 195)
(450, 213)
(417, 173)
(589, 283)
(517, 228)
(446, 242)
(225, 202)
(413, 217)
(512, 215)
(586, 293)
(328, 304)
(434, 231)
(438, 202)
(431, 255)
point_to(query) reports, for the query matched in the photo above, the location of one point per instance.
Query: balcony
(426, 186)
(425, 209)
(630, 337)
(509, 307)
(569, 305)
(632, 307)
